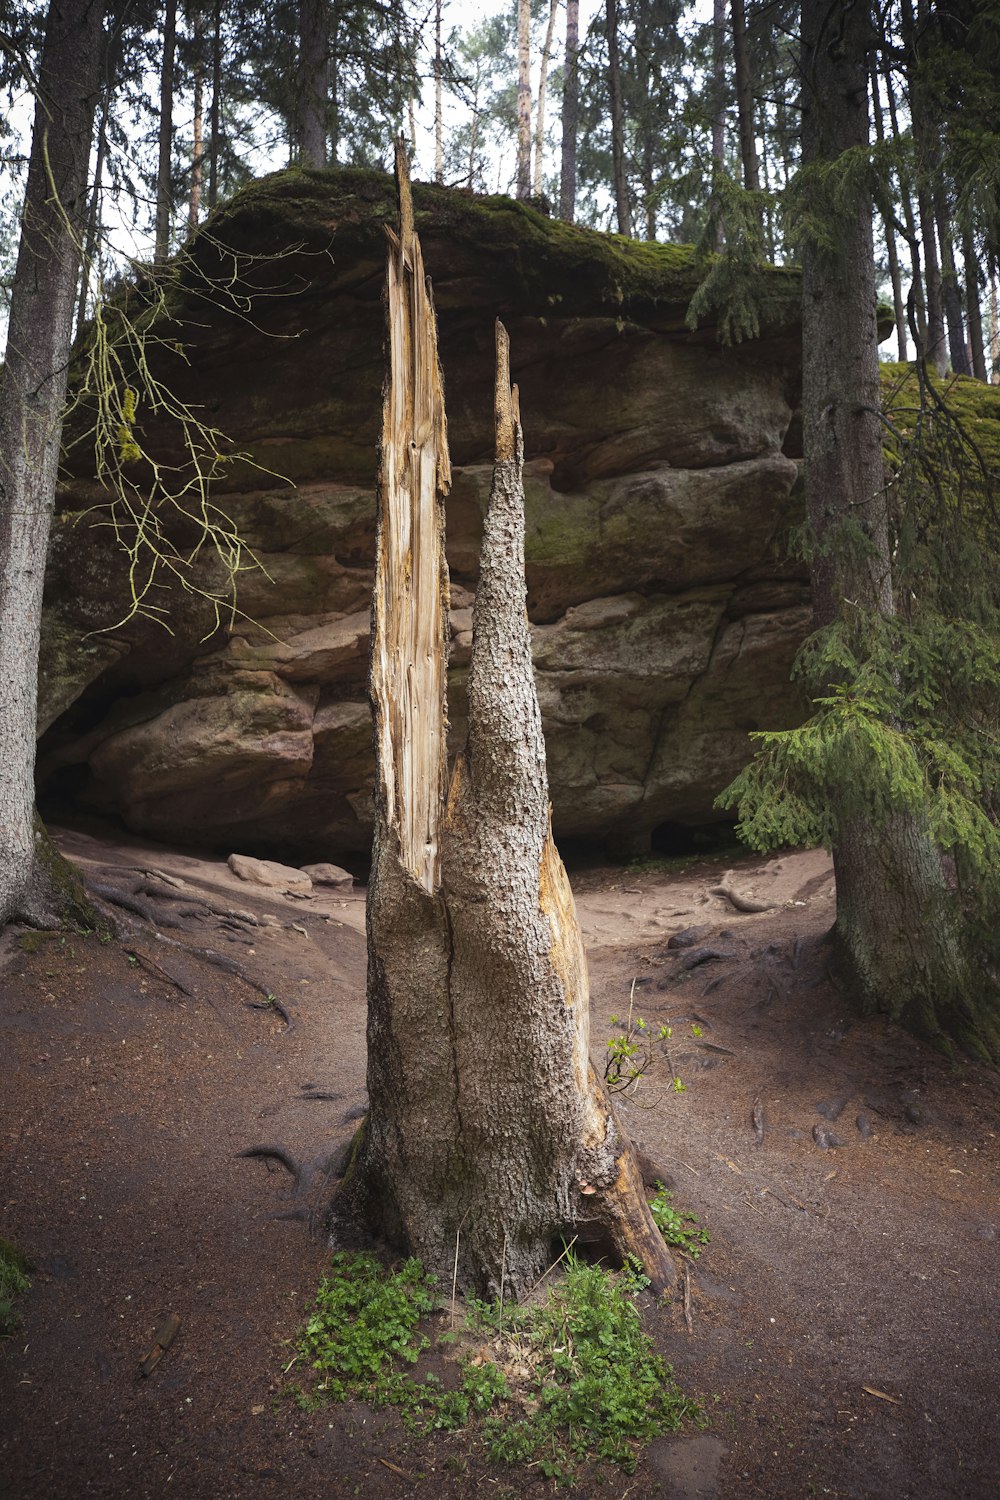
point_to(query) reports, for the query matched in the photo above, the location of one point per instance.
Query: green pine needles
(906, 706)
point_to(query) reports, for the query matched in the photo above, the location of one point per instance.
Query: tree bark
(32, 399)
(570, 113)
(313, 82)
(884, 200)
(94, 210)
(543, 83)
(974, 312)
(719, 82)
(215, 108)
(895, 927)
(744, 98)
(438, 106)
(198, 147)
(937, 341)
(951, 294)
(994, 371)
(909, 221)
(488, 1135)
(620, 180)
(523, 98)
(164, 194)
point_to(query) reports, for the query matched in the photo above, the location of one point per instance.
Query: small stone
(269, 873)
(832, 1109)
(325, 874)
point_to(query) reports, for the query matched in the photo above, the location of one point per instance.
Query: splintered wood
(409, 640)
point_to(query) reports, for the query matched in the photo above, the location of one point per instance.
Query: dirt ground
(844, 1327)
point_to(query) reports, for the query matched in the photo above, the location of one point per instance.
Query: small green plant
(566, 1380)
(14, 1282)
(633, 1055)
(364, 1322)
(680, 1230)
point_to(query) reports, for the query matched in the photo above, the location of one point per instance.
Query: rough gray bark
(973, 310)
(166, 131)
(215, 108)
(719, 82)
(951, 292)
(744, 98)
(894, 928)
(32, 398)
(312, 83)
(488, 1136)
(884, 201)
(523, 98)
(620, 180)
(570, 113)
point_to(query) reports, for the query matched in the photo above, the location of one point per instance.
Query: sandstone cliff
(660, 488)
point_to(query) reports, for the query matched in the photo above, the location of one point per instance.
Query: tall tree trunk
(198, 148)
(32, 399)
(937, 341)
(973, 310)
(744, 98)
(909, 221)
(164, 195)
(620, 180)
(893, 925)
(994, 372)
(719, 82)
(475, 958)
(312, 82)
(570, 113)
(438, 106)
(543, 83)
(951, 292)
(523, 98)
(215, 109)
(884, 201)
(94, 211)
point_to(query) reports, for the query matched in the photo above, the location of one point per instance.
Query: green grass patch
(14, 1282)
(555, 1383)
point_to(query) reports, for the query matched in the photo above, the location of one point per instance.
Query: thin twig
(454, 1278)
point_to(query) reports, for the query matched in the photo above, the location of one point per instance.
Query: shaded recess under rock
(660, 486)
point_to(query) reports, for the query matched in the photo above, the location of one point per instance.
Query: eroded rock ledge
(660, 489)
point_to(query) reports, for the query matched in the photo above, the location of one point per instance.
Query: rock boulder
(660, 487)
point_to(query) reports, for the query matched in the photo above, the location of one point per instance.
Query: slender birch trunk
(488, 1135)
(523, 98)
(543, 83)
(570, 113)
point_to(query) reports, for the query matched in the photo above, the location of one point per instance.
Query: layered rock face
(659, 485)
